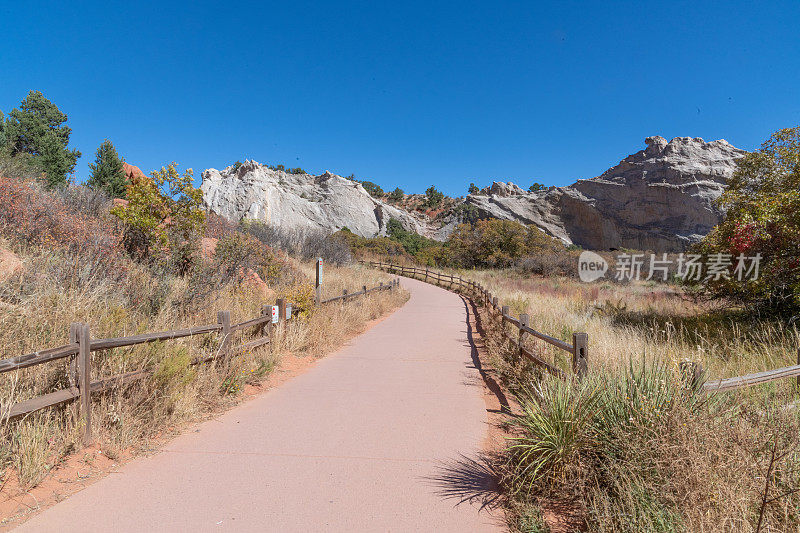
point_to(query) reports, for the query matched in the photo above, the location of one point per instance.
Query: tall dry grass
(644, 320)
(646, 453)
(37, 308)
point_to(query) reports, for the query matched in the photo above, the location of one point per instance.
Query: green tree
(108, 173)
(373, 189)
(37, 128)
(536, 186)
(434, 197)
(473, 189)
(762, 216)
(397, 195)
(2, 131)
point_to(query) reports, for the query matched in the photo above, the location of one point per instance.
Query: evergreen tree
(2, 131)
(433, 197)
(37, 128)
(396, 195)
(473, 189)
(108, 174)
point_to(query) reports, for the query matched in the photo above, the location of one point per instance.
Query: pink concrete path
(372, 438)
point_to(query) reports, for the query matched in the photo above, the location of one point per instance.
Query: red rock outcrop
(10, 264)
(132, 171)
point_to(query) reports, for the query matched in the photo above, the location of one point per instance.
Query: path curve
(357, 443)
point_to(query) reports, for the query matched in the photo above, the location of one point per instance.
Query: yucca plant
(554, 430)
(639, 397)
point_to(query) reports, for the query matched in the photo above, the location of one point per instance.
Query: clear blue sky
(409, 93)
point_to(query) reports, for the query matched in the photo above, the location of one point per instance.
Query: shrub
(21, 165)
(163, 217)
(537, 187)
(308, 244)
(473, 189)
(498, 243)
(363, 248)
(411, 241)
(35, 217)
(762, 205)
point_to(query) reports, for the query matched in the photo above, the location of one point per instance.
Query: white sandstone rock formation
(660, 198)
(326, 202)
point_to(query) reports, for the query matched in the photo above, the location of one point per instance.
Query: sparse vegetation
(287, 170)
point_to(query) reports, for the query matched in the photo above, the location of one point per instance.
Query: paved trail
(357, 443)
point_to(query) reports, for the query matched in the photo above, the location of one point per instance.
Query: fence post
(691, 374)
(524, 320)
(504, 310)
(281, 303)
(580, 353)
(224, 319)
(797, 379)
(318, 284)
(85, 380)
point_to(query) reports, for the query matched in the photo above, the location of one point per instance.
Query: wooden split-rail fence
(81, 345)
(578, 349)
(692, 372)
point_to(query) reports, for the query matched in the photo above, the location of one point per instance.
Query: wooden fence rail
(81, 346)
(748, 380)
(580, 341)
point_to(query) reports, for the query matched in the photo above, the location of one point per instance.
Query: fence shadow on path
(488, 379)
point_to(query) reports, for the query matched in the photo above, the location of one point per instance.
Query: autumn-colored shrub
(762, 205)
(498, 243)
(35, 217)
(163, 217)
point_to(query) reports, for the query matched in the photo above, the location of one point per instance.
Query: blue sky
(409, 93)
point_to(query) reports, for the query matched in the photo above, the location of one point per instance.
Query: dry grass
(650, 457)
(627, 322)
(36, 314)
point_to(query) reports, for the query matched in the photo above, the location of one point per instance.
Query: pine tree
(37, 128)
(108, 174)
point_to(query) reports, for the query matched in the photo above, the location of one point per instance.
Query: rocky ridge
(660, 198)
